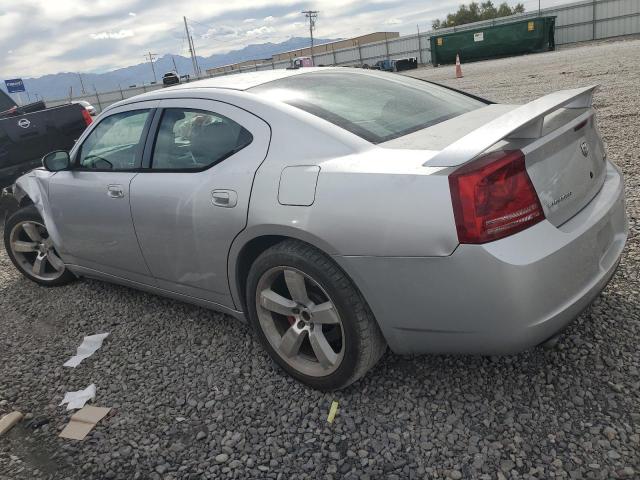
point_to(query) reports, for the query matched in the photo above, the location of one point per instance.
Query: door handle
(224, 198)
(115, 191)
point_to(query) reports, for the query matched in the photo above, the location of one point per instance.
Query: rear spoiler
(525, 121)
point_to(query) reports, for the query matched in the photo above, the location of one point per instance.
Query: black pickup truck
(29, 132)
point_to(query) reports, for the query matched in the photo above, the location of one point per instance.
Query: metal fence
(576, 22)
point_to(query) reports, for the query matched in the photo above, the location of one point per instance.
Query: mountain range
(56, 86)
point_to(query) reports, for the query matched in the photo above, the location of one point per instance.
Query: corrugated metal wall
(576, 22)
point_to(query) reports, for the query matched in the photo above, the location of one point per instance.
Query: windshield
(373, 107)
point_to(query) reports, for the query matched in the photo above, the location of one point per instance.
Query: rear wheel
(31, 249)
(310, 317)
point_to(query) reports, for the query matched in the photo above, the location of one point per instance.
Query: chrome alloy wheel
(300, 321)
(33, 249)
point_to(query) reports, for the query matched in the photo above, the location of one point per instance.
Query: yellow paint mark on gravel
(332, 412)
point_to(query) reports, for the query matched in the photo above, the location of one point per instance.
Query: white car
(338, 211)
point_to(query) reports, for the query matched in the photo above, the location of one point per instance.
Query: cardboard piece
(8, 421)
(83, 421)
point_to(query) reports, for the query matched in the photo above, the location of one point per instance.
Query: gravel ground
(194, 395)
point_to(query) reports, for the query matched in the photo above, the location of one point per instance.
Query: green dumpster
(515, 38)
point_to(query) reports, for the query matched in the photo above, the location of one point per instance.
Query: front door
(90, 203)
(192, 201)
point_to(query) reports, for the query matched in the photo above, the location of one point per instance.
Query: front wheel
(311, 318)
(31, 249)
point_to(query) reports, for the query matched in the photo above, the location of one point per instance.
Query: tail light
(87, 118)
(493, 197)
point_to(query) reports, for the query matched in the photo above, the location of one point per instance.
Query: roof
(244, 81)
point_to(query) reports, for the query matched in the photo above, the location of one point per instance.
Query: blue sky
(38, 37)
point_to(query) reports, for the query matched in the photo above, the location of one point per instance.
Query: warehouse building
(305, 52)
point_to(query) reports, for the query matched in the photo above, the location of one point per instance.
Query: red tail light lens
(87, 118)
(493, 197)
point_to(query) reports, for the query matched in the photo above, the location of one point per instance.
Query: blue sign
(15, 85)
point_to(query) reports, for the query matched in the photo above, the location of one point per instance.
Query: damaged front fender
(32, 188)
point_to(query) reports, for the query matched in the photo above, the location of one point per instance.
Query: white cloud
(132, 14)
(112, 35)
(393, 21)
(249, 20)
(256, 32)
(220, 32)
(269, 19)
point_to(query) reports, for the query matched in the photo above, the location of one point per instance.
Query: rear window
(373, 107)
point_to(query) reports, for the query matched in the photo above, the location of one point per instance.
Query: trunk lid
(567, 166)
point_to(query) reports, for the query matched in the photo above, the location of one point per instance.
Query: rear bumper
(501, 297)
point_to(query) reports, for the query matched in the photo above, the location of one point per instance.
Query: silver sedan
(338, 211)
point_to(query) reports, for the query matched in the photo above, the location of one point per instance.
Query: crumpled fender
(33, 187)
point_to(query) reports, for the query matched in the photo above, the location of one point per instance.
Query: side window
(115, 142)
(195, 140)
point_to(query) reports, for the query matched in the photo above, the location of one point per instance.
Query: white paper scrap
(87, 348)
(78, 399)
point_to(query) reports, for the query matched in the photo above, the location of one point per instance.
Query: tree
(488, 11)
(475, 12)
(504, 10)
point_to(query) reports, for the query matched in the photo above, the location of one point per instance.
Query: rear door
(192, 199)
(90, 203)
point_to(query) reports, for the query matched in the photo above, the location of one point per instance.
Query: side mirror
(56, 161)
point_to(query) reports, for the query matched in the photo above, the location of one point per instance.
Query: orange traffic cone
(458, 67)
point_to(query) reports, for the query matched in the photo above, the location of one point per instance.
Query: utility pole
(195, 58)
(81, 84)
(312, 15)
(419, 45)
(191, 49)
(174, 65)
(97, 97)
(152, 57)
(594, 19)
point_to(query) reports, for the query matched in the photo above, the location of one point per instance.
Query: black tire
(364, 343)
(31, 214)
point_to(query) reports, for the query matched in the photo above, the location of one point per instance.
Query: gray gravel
(194, 395)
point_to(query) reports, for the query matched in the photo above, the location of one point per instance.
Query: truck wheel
(31, 249)
(310, 317)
